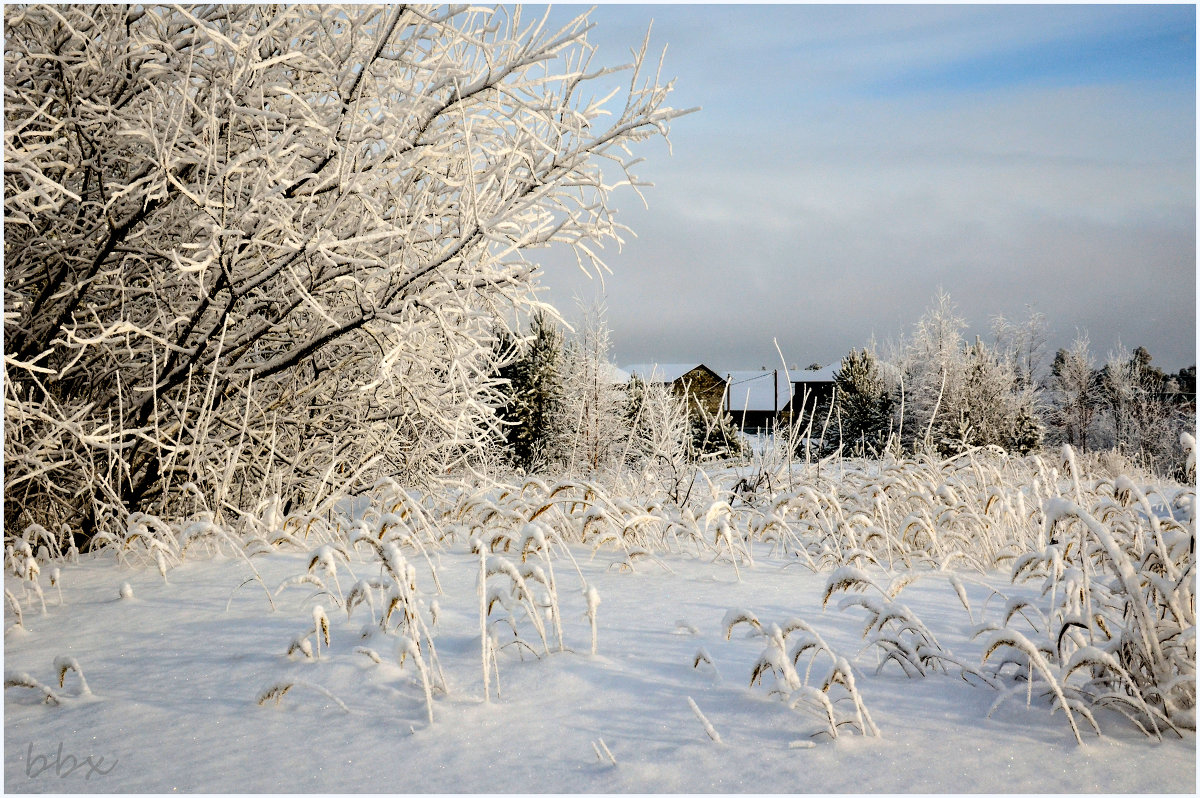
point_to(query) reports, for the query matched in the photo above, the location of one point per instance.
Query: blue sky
(849, 161)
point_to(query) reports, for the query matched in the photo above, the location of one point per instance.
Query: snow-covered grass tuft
(64, 664)
(593, 603)
(320, 627)
(56, 583)
(1100, 614)
(275, 693)
(598, 745)
(407, 648)
(892, 627)
(14, 605)
(1116, 626)
(1189, 448)
(734, 617)
(708, 727)
(800, 691)
(302, 644)
(19, 560)
(15, 679)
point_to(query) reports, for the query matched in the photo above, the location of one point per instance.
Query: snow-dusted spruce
(262, 249)
(535, 428)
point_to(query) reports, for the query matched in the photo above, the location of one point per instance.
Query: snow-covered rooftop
(758, 390)
(817, 375)
(661, 372)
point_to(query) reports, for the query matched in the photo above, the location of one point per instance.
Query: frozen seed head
(126, 591)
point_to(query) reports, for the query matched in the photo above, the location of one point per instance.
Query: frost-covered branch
(250, 248)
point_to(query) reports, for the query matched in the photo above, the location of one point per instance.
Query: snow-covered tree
(660, 433)
(955, 395)
(1138, 415)
(925, 371)
(1024, 346)
(1119, 388)
(1073, 385)
(995, 405)
(930, 365)
(595, 411)
(260, 250)
(714, 435)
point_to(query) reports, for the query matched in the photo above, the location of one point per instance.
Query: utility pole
(777, 396)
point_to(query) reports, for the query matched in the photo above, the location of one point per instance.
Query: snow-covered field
(178, 672)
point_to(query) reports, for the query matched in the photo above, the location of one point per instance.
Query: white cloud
(837, 216)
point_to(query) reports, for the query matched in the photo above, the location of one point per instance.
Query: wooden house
(702, 386)
(757, 399)
(811, 388)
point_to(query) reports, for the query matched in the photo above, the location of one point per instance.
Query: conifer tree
(1137, 416)
(533, 426)
(714, 436)
(863, 405)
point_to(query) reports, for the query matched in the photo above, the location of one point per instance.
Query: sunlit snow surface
(176, 677)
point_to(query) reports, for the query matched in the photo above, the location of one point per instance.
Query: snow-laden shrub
(892, 627)
(1117, 625)
(216, 275)
(1113, 622)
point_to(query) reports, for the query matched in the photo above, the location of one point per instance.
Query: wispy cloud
(851, 160)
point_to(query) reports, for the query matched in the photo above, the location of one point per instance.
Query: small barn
(811, 388)
(701, 385)
(756, 399)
